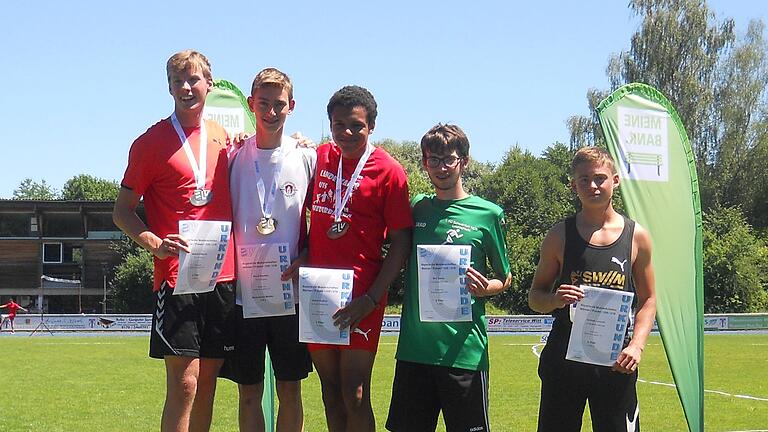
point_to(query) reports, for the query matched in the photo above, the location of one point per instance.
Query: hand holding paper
(568, 294)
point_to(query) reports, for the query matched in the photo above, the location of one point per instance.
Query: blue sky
(84, 79)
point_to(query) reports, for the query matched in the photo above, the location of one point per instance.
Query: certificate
(321, 293)
(198, 269)
(600, 322)
(443, 293)
(258, 275)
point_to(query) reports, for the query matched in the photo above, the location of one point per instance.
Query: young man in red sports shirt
(179, 166)
(351, 214)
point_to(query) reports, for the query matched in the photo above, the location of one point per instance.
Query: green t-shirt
(468, 221)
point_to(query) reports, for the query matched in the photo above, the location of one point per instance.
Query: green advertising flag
(660, 190)
(226, 105)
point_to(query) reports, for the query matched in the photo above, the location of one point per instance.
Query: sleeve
(309, 165)
(397, 206)
(496, 245)
(140, 171)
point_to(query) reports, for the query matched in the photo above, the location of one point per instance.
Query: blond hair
(592, 155)
(272, 77)
(188, 59)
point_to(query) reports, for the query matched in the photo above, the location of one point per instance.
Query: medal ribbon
(198, 170)
(266, 205)
(339, 204)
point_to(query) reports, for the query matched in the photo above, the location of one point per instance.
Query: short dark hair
(354, 96)
(445, 138)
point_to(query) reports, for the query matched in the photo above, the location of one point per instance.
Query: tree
(530, 190)
(31, 190)
(736, 177)
(523, 253)
(586, 130)
(678, 49)
(534, 195)
(85, 187)
(408, 153)
(716, 81)
(735, 264)
(133, 279)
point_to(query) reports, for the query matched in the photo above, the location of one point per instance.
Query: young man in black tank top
(596, 239)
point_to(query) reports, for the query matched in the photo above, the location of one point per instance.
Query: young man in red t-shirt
(12, 307)
(179, 166)
(347, 231)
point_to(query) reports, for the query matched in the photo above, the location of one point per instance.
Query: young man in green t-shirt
(442, 363)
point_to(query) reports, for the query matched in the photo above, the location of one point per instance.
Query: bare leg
(327, 363)
(356, 368)
(290, 413)
(251, 416)
(202, 406)
(181, 385)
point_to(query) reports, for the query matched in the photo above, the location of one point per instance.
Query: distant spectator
(12, 307)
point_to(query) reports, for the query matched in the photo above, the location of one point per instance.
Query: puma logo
(364, 333)
(620, 263)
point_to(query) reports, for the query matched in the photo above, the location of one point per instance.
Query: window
(100, 226)
(62, 225)
(72, 254)
(17, 224)
(52, 253)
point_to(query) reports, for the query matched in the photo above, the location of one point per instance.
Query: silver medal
(201, 197)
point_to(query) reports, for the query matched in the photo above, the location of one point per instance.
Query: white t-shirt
(296, 176)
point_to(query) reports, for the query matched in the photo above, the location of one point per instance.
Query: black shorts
(566, 386)
(250, 337)
(420, 391)
(191, 325)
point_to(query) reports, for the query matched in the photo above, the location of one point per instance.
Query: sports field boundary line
(536, 350)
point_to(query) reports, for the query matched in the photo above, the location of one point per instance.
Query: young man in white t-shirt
(269, 180)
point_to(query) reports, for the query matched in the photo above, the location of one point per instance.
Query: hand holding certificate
(321, 293)
(600, 321)
(260, 267)
(198, 269)
(443, 294)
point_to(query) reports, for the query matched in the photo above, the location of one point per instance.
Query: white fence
(391, 323)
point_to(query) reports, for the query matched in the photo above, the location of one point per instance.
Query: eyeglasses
(449, 161)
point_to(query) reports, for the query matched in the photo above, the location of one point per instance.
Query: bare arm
(360, 307)
(480, 286)
(541, 298)
(645, 290)
(125, 217)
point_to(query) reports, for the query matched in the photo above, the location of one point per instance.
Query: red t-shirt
(159, 170)
(380, 203)
(12, 308)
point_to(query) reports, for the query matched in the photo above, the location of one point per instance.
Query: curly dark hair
(354, 96)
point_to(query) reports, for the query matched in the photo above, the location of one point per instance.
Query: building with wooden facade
(72, 241)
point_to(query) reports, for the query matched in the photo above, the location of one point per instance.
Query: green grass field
(109, 384)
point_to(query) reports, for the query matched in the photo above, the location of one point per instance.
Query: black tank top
(599, 266)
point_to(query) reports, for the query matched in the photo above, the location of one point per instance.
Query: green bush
(735, 263)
